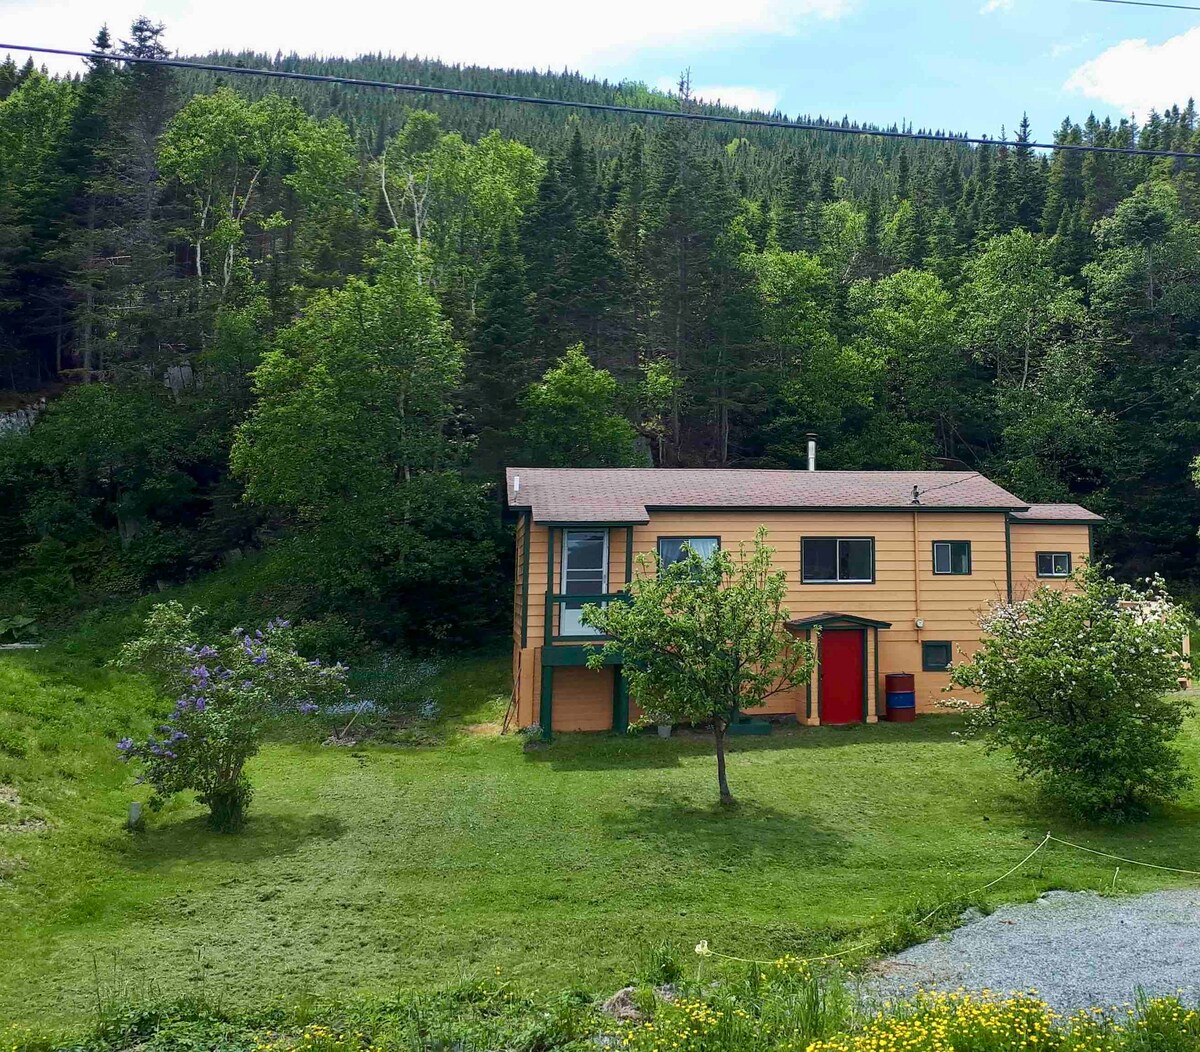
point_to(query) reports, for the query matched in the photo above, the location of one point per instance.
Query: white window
(1054, 564)
(584, 573)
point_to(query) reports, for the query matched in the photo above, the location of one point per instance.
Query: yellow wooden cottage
(893, 567)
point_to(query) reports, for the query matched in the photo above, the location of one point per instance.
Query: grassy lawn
(388, 866)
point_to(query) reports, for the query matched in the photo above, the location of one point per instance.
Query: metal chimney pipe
(812, 451)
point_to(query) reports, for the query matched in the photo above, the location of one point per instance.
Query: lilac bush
(223, 695)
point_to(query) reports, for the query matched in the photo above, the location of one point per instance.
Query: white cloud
(523, 33)
(1065, 47)
(1136, 76)
(741, 96)
(992, 6)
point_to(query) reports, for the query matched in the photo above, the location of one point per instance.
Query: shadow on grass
(264, 836)
(601, 752)
(728, 837)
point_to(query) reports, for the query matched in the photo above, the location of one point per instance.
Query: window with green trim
(952, 557)
(837, 560)
(1054, 564)
(936, 655)
(673, 550)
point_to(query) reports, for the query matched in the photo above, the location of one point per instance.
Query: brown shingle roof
(625, 495)
(1056, 513)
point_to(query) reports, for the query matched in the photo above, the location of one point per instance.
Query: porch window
(936, 656)
(838, 560)
(952, 557)
(584, 573)
(1054, 564)
(672, 550)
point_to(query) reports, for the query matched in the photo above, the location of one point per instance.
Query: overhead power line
(601, 107)
(1148, 3)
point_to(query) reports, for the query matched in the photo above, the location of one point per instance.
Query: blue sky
(962, 65)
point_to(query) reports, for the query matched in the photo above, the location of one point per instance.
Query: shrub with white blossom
(223, 696)
(1081, 687)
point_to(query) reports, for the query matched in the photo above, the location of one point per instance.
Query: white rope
(703, 950)
(1118, 858)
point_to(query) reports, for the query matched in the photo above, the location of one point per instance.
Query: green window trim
(838, 580)
(932, 651)
(952, 549)
(1056, 559)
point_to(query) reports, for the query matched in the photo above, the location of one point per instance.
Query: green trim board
(832, 617)
(1056, 522)
(875, 681)
(549, 633)
(546, 706)
(575, 654)
(620, 701)
(527, 523)
(1008, 554)
(628, 556)
(866, 693)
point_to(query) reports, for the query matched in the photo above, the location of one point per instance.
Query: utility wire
(1148, 3)
(602, 107)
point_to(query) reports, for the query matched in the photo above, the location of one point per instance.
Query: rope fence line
(1118, 858)
(703, 950)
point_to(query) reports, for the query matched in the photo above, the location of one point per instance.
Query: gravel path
(1077, 949)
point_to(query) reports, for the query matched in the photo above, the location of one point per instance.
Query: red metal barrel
(900, 692)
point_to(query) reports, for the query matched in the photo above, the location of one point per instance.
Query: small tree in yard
(223, 695)
(703, 638)
(1080, 686)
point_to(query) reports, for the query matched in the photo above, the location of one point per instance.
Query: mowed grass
(385, 867)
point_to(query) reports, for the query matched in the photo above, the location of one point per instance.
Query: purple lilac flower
(247, 684)
(125, 747)
(307, 707)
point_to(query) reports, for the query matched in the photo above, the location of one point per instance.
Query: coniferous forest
(302, 327)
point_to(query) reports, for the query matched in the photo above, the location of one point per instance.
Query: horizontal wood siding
(1029, 538)
(583, 699)
(905, 589)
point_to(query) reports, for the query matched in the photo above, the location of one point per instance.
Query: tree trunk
(722, 781)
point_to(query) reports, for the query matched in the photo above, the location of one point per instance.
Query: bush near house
(1081, 687)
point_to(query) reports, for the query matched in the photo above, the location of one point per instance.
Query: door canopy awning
(833, 619)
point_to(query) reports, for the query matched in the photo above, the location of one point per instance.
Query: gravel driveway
(1077, 949)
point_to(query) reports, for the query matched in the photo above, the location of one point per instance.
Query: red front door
(841, 673)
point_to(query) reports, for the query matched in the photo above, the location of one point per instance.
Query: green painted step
(749, 725)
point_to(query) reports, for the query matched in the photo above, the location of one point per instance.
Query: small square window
(952, 557)
(1054, 564)
(936, 656)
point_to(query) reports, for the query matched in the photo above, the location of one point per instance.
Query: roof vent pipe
(812, 451)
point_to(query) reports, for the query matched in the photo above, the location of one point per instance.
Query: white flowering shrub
(1081, 687)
